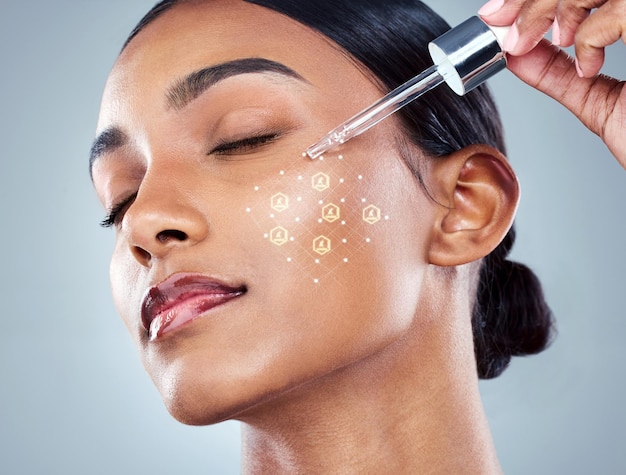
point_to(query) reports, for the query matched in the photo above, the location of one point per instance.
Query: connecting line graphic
(317, 221)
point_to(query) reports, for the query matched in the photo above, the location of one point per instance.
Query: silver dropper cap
(469, 54)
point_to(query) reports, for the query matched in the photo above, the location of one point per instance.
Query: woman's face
(241, 268)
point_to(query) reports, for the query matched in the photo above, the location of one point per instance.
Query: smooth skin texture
(357, 374)
(590, 25)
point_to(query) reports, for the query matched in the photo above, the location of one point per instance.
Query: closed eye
(245, 145)
(115, 214)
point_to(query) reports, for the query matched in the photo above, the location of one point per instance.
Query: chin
(196, 397)
(193, 412)
(192, 400)
(190, 403)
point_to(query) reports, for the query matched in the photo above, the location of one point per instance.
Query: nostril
(171, 234)
(141, 255)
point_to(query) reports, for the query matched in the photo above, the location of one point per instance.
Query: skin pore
(372, 368)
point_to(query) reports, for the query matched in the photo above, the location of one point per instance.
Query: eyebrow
(193, 85)
(189, 88)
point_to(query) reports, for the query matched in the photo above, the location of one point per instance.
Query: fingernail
(578, 70)
(556, 33)
(490, 7)
(511, 39)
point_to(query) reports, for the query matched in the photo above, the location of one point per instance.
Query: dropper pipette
(464, 57)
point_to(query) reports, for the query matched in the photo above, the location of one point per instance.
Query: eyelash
(114, 215)
(244, 145)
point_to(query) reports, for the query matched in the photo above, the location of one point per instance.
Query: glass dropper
(378, 111)
(464, 57)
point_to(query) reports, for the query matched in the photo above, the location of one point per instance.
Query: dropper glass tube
(464, 57)
(378, 111)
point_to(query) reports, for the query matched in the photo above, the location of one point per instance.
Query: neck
(394, 412)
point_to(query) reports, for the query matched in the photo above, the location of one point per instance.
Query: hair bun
(511, 316)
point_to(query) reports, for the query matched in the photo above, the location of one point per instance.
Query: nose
(162, 220)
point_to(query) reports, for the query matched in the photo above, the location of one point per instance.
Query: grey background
(73, 395)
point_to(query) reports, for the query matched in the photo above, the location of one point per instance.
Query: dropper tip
(316, 150)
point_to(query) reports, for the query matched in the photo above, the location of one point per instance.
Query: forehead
(216, 28)
(197, 34)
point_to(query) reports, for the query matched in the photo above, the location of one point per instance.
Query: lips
(181, 299)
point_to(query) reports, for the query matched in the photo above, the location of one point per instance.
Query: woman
(358, 352)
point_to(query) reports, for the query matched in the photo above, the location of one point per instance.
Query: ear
(479, 193)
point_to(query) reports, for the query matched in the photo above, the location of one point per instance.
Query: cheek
(342, 248)
(318, 217)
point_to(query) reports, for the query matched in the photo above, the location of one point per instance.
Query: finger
(603, 28)
(570, 14)
(501, 12)
(534, 20)
(550, 70)
(556, 33)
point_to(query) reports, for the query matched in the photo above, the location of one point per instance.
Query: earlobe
(479, 194)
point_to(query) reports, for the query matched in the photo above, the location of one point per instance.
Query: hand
(598, 101)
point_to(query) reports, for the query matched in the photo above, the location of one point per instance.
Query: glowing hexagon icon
(331, 213)
(279, 236)
(371, 214)
(280, 202)
(321, 181)
(321, 245)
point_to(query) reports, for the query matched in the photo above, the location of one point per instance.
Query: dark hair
(389, 38)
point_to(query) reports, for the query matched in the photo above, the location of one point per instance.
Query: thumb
(553, 72)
